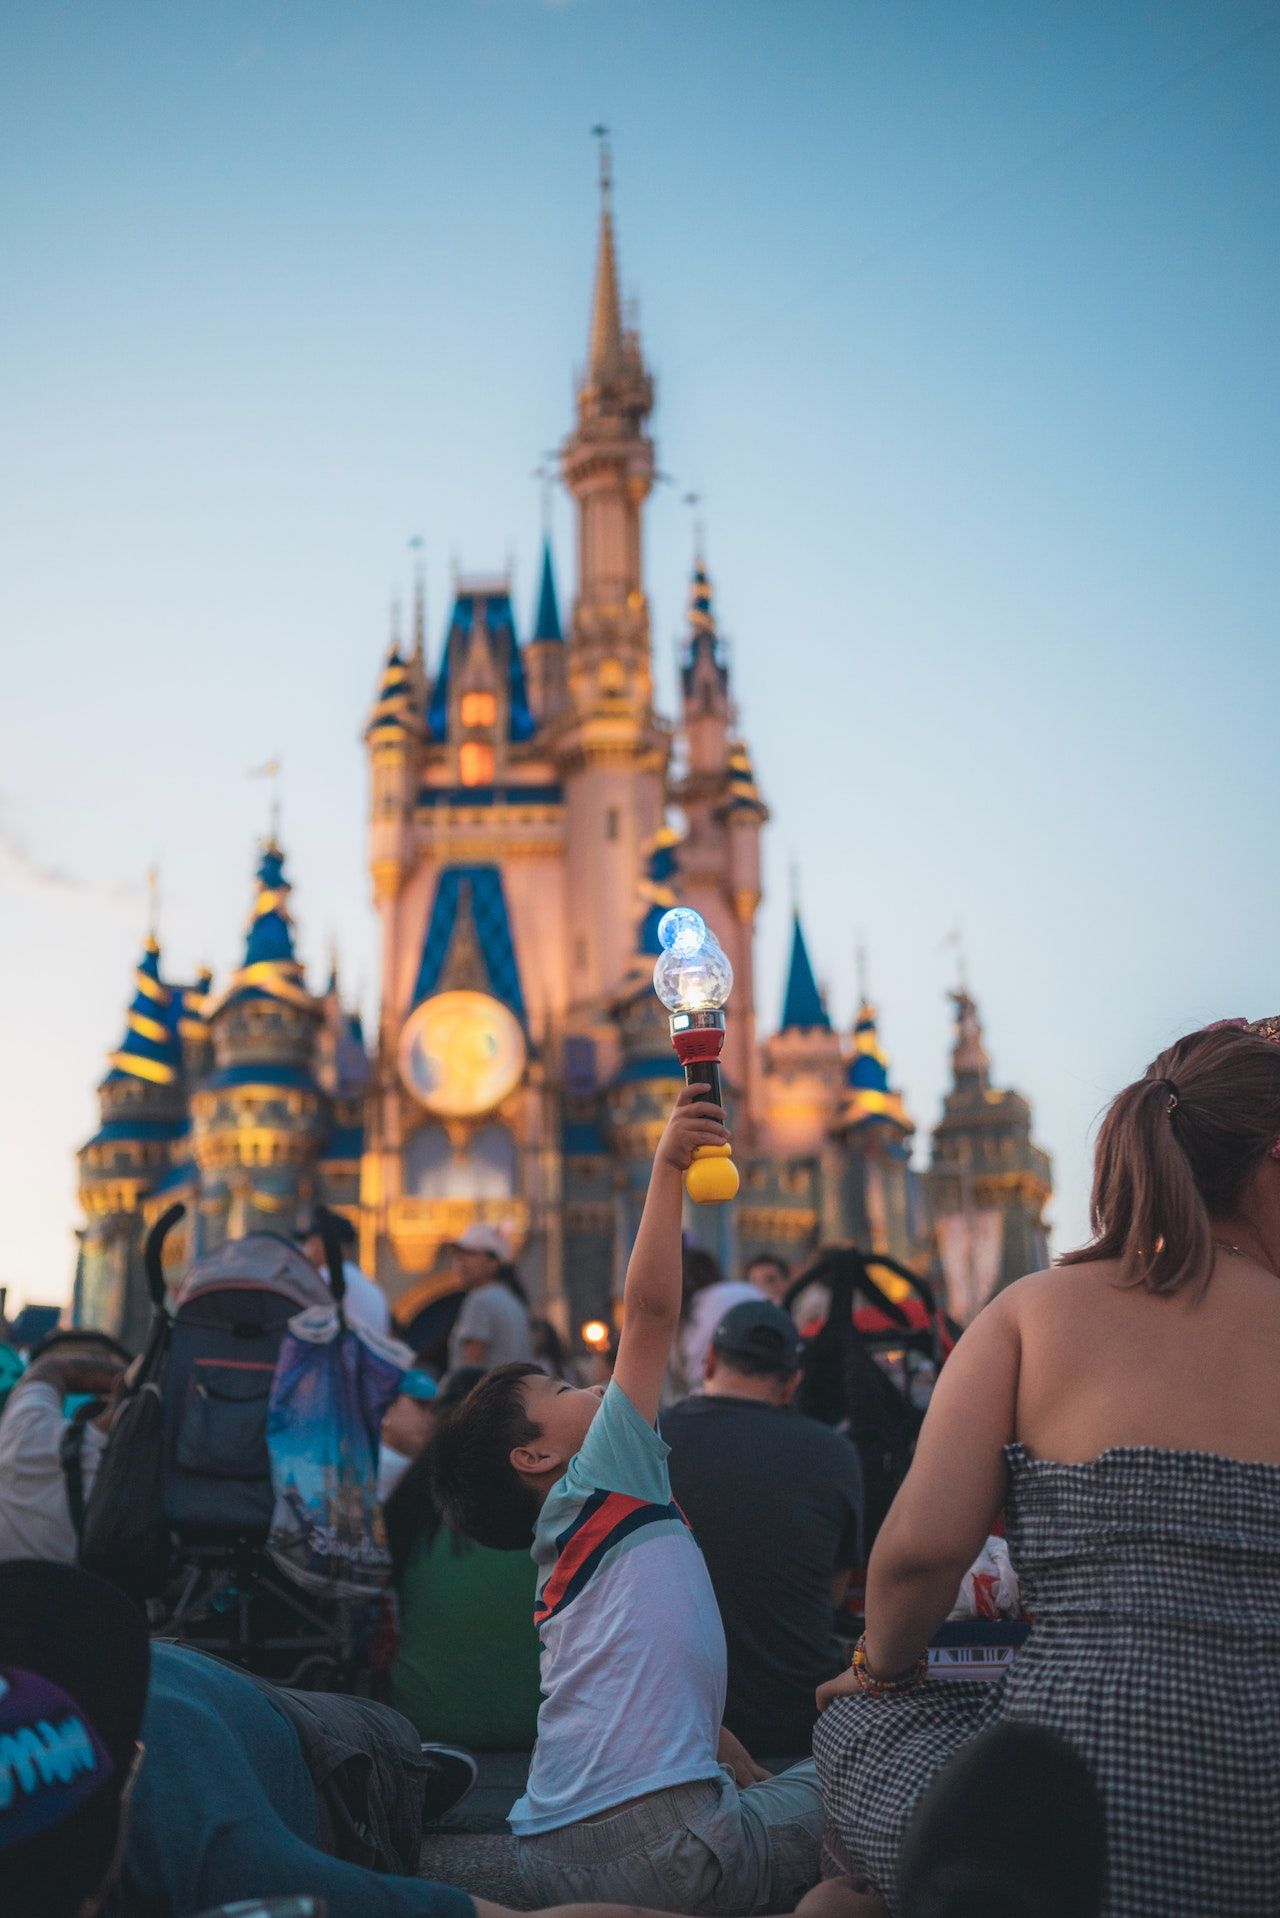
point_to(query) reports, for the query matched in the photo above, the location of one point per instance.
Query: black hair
(475, 1484)
(549, 1347)
(336, 1224)
(767, 1258)
(698, 1269)
(411, 1512)
(507, 1275)
(1011, 1827)
(76, 1336)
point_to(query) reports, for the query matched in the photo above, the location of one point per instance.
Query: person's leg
(375, 1781)
(782, 1828)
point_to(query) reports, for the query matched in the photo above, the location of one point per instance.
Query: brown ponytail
(1176, 1151)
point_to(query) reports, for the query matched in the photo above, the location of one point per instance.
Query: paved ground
(472, 1848)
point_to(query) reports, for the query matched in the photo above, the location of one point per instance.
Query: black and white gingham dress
(1154, 1580)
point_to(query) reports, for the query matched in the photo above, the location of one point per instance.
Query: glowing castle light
(693, 978)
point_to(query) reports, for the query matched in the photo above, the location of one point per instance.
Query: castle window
(479, 709)
(475, 764)
(612, 822)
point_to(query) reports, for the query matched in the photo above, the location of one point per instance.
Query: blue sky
(963, 321)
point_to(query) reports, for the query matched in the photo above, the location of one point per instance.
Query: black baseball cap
(74, 1667)
(759, 1330)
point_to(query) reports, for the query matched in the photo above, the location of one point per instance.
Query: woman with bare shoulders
(1122, 1411)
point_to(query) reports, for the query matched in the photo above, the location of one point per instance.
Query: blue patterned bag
(330, 1390)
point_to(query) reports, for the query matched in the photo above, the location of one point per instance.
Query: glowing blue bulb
(682, 931)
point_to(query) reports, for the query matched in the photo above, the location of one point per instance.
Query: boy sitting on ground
(627, 1796)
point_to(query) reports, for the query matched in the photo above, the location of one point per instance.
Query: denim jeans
(705, 1847)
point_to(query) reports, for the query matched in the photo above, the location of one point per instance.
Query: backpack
(123, 1534)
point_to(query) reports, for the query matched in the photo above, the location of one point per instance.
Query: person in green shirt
(466, 1670)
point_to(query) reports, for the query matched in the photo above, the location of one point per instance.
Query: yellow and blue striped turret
(869, 1098)
(394, 714)
(150, 1049)
(702, 648)
(270, 969)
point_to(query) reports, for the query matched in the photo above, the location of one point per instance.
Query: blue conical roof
(546, 624)
(270, 968)
(870, 1095)
(150, 1048)
(802, 1009)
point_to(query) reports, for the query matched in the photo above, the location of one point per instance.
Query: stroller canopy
(262, 1261)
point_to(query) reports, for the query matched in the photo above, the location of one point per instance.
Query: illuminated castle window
(479, 709)
(485, 1168)
(475, 763)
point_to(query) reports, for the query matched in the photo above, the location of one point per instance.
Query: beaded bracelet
(908, 1681)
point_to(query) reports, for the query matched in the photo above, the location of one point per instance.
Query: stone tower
(260, 1119)
(988, 1182)
(610, 748)
(720, 856)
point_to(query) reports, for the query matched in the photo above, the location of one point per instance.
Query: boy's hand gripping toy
(693, 979)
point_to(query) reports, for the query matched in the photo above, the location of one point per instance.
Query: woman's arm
(949, 1500)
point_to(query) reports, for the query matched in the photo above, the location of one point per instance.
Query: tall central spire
(605, 354)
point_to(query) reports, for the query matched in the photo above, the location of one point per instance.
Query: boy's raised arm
(651, 1296)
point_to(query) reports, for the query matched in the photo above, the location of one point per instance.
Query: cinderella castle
(520, 851)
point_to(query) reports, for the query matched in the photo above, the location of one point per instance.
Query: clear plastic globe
(699, 981)
(682, 931)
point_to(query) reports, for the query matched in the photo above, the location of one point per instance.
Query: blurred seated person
(467, 1666)
(705, 1297)
(364, 1303)
(35, 1511)
(407, 1425)
(220, 1787)
(775, 1502)
(493, 1326)
(769, 1274)
(548, 1350)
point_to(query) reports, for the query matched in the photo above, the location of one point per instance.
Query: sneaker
(448, 1776)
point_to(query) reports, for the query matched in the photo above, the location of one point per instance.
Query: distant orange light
(475, 763)
(479, 709)
(595, 1333)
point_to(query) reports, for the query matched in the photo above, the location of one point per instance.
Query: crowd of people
(642, 1578)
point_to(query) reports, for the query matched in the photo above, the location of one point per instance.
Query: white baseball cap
(484, 1238)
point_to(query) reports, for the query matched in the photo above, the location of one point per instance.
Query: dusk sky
(964, 323)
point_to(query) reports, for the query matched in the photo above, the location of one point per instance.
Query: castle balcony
(418, 1228)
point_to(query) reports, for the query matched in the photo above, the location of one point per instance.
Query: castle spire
(802, 1008)
(703, 672)
(270, 968)
(870, 1095)
(546, 624)
(605, 351)
(970, 1061)
(150, 1048)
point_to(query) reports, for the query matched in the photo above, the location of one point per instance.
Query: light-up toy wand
(693, 978)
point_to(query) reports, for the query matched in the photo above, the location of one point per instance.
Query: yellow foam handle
(712, 1179)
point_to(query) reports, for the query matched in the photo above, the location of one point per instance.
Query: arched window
(484, 1169)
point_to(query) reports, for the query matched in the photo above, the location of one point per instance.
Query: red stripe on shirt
(616, 1507)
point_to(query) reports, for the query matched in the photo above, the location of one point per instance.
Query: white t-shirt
(364, 1303)
(493, 1314)
(633, 1654)
(705, 1313)
(35, 1518)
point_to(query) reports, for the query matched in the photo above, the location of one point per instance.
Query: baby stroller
(180, 1516)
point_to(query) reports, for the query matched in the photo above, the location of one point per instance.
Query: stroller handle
(326, 1224)
(154, 1254)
